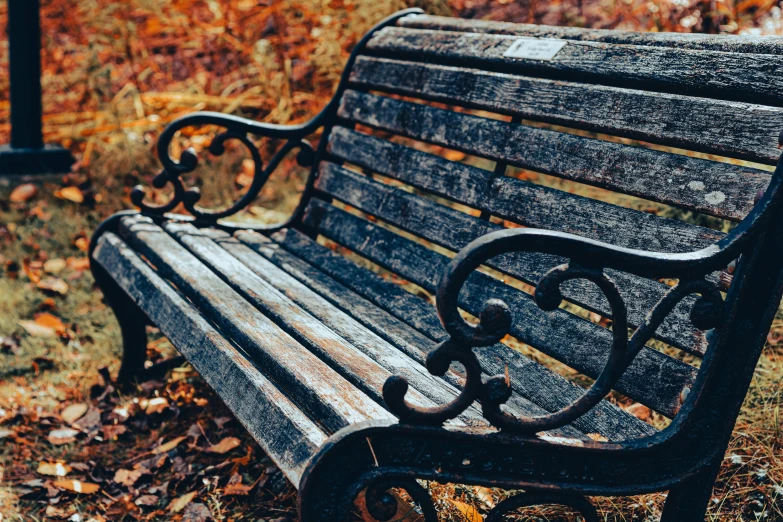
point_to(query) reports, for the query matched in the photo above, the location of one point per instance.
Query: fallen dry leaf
(170, 445)
(156, 405)
(224, 446)
(55, 512)
(469, 513)
(78, 263)
(62, 436)
(178, 504)
(147, 500)
(77, 486)
(73, 412)
(90, 421)
(53, 284)
(237, 489)
(36, 330)
(71, 194)
(82, 243)
(6, 433)
(485, 495)
(127, 477)
(640, 411)
(112, 431)
(55, 469)
(196, 513)
(55, 266)
(23, 193)
(50, 321)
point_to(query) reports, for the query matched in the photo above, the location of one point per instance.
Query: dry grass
(116, 72)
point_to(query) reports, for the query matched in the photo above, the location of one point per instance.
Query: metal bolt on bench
(350, 382)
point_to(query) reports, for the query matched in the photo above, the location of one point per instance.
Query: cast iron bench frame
(684, 458)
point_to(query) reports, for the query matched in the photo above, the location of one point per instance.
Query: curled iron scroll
(188, 161)
(495, 321)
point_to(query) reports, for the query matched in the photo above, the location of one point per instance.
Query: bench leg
(688, 501)
(133, 324)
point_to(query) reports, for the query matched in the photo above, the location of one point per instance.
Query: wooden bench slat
(747, 77)
(454, 230)
(371, 343)
(284, 432)
(334, 401)
(534, 381)
(709, 42)
(710, 187)
(517, 200)
(367, 365)
(720, 127)
(654, 379)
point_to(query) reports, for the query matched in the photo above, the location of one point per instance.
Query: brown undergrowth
(74, 448)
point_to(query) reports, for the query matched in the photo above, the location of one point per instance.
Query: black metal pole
(24, 35)
(27, 153)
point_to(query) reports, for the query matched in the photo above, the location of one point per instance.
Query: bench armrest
(238, 129)
(585, 259)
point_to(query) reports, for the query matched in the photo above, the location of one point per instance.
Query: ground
(74, 447)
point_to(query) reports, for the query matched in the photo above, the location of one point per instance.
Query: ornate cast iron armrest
(236, 129)
(586, 259)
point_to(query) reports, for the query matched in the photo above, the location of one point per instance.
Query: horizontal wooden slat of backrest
(452, 229)
(721, 127)
(707, 42)
(754, 78)
(516, 200)
(710, 187)
(654, 379)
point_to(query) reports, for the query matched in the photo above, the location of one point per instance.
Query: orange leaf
(73, 412)
(36, 330)
(57, 469)
(170, 445)
(468, 512)
(77, 486)
(71, 194)
(23, 193)
(178, 504)
(224, 446)
(48, 320)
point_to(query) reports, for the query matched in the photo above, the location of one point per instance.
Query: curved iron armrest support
(587, 259)
(238, 129)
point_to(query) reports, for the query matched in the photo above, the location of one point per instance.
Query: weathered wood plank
(315, 386)
(692, 183)
(514, 199)
(454, 230)
(365, 363)
(654, 379)
(284, 432)
(707, 42)
(726, 128)
(754, 78)
(528, 378)
(372, 344)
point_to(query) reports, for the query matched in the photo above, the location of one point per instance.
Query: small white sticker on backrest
(535, 48)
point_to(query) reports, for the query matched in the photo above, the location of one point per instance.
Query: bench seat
(262, 319)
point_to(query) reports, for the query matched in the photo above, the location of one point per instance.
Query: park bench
(352, 382)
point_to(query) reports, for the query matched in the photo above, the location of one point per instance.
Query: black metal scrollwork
(576, 503)
(188, 161)
(496, 318)
(383, 506)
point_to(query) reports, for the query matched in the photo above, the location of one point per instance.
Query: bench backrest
(683, 126)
